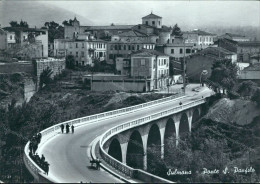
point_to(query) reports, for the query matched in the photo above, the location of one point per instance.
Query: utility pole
(184, 67)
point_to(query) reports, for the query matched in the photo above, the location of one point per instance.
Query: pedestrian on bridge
(98, 163)
(72, 129)
(67, 128)
(180, 103)
(62, 128)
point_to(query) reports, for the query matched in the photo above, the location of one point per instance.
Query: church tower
(152, 20)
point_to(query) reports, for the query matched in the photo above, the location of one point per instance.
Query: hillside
(17, 10)
(237, 111)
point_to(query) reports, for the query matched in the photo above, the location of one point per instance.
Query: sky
(186, 13)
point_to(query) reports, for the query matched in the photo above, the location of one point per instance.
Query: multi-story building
(19, 37)
(84, 48)
(151, 65)
(152, 20)
(244, 49)
(235, 37)
(100, 32)
(200, 39)
(204, 59)
(125, 48)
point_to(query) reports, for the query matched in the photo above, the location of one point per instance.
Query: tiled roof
(15, 29)
(148, 52)
(108, 27)
(249, 43)
(216, 51)
(179, 45)
(199, 32)
(151, 16)
(234, 35)
(131, 41)
(132, 33)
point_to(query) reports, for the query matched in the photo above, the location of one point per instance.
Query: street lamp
(204, 72)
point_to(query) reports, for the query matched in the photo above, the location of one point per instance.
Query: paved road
(67, 153)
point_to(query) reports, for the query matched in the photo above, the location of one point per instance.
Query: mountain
(35, 13)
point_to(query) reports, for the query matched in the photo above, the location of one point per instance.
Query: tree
(176, 31)
(223, 76)
(256, 97)
(67, 23)
(55, 31)
(22, 23)
(70, 62)
(45, 77)
(247, 88)
(14, 24)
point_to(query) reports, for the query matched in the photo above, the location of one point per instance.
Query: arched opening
(195, 116)
(115, 150)
(169, 138)
(135, 151)
(184, 125)
(153, 147)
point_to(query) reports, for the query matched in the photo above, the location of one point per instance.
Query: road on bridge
(67, 153)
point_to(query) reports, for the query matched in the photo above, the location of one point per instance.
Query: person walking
(72, 129)
(67, 128)
(98, 163)
(62, 128)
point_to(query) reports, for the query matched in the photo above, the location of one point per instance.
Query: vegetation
(45, 77)
(55, 31)
(51, 105)
(211, 145)
(22, 23)
(223, 76)
(176, 30)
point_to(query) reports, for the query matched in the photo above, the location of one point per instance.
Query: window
(159, 62)
(82, 54)
(142, 62)
(119, 47)
(76, 45)
(172, 40)
(111, 56)
(11, 37)
(111, 47)
(70, 45)
(77, 54)
(133, 47)
(181, 51)
(129, 47)
(124, 47)
(172, 51)
(153, 22)
(146, 22)
(188, 51)
(82, 45)
(164, 62)
(159, 22)
(115, 47)
(137, 47)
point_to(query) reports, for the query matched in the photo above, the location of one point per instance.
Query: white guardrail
(52, 131)
(129, 171)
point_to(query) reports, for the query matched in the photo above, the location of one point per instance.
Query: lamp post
(184, 67)
(204, 72)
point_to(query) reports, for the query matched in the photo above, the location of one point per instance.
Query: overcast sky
(187, 13)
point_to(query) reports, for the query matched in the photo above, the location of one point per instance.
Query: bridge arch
(114, 150)
(169, 137)
(153, 146)
(184, 125)
(135, 151)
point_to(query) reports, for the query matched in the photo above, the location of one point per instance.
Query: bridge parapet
(129, 171)
(52, 131)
